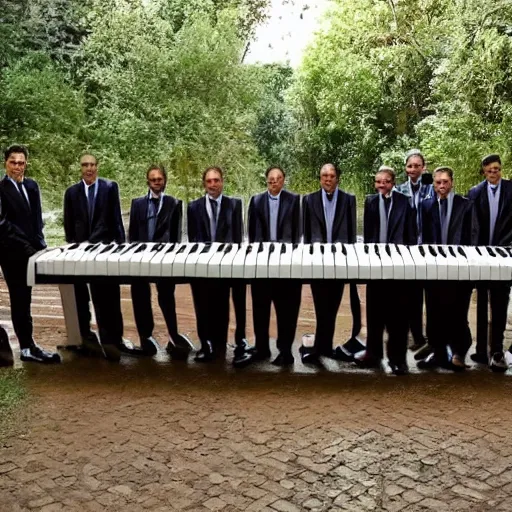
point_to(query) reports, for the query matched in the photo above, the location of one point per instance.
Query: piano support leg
(67, 295)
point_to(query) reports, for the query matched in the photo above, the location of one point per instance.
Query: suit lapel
(203, 215)
(222, 224)
(163, 214)
(265, 215)
(13, 191)
(99, 202)
(397, 210)
(338, 214)
(82, 201)
(284, 208)
(456, 219)
(436, 222)
(142, 214)
(486, 212)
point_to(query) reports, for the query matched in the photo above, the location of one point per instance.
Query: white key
(452, 263)
(148, 256)
(100, 264)
(494, 262)
(329, 265)
(340, 261)
(483, 262)
(296, 270)
(87, 259)
(441, 263)
(168, 260)
(262, 260)
(47, 262)
(64, 262)
(136, 259)
(238, 265)
(420, 263)
(214, 262)
(285, 261)
(397, 262)
(388, 266)
(474, 261)
(118, 263)
(190, 264)
(226, 265)
(178, 266)
(430, 261)
(352, 261)
(155, 269)
(505, 263)
(250, 261)
(461, 260)
(363, 259)
(375, 262)
(307, 261)
(317, 261)
(37, 264)
(274, 261)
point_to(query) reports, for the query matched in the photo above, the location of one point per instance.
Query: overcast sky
(286, 34)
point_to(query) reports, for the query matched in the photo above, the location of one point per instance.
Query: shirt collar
(276, 198)
(14, 181)
(335, 194)
(91, 185)
(151, 195)
(417, 183)
(494, 186)
(218, 200)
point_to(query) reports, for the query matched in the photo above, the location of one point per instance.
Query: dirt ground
(154, 434)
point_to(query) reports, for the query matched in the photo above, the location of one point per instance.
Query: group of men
(415, 212)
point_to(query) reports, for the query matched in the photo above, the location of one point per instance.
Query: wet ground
(160, 435)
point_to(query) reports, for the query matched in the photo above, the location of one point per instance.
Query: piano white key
(363, 260)
(462, 262)
(178, 266)
(37, 263)
(397, 262)
(505, 263)
(494, 262)
(329, 265)
(238, 265)
(388, 266)
(483, 262)
(155, 268)
(262, 260)
(474, 263)
(420, 263)
(340, 261)
(191, 263)
(440, 261)
(101, 260)
(149, 258)
(285, 261)
(296, 267)
(136, 260)
(274, 261)
(352, 261)
(87, 259)
(250, 261)
(168, 260)
(65, 260)
(226, 265)
(317, 261)
(452, 263)
(375, 261)
(431, 262)
(46, 264)
(214, 262)
(409, 266)
(307, 261)
(118, 263)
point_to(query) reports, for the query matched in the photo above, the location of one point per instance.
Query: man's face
(414, 167)
(275, 181)
(328, 178)
(383, 183)
(442, 184)
(156, 181)
(492, 173)
(213, 184)
(15, 166)
(89, 167)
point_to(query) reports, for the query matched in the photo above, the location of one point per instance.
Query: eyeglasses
(17, 163)
(383, 182)
(88, 164)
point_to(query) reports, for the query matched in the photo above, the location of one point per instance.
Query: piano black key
(377, 252)
(271, 248)
(478, 251)
(141, 248)
(194, 248)
(491, 252)
(248, 250)
(441, 251)
(107, 248)
(501, 252)
(221, 247)
(388, 250)
(460, 250)
(283, 248)
(171, 248)
(422, 250)
(333, 248)
(260, 247)
(228, 248)
(452, 252)
(344, 250)
(432, 250)
(366, 249)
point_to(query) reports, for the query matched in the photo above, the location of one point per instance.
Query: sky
(284, 37)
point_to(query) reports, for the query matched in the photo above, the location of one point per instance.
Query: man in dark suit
(329, 216)
(274, 216)
(447, 220)
(156, 217)
(388, 218)
(417, 192)
(216, 218)
(21, 236)
(92, 213)
(493, 209)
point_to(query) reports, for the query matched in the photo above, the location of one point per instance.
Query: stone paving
(157, 435)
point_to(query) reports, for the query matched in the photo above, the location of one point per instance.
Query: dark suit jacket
(168, 223)
(401, 222)
(229, 225)
(503, 228)
(344, 226)
(288, 218)
(106, 225)
(462, 228)
(21, 228)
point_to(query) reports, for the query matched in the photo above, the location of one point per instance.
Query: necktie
(214, 205)
(329, 195)
(443, 208)
(272, 198)
(415, 188)
(152, 217)
(494, 189)
(21, 188)
(90, 201)
(387, 204)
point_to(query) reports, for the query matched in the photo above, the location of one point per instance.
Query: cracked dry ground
(153, 435)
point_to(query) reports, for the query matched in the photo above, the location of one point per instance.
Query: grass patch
(12, 394)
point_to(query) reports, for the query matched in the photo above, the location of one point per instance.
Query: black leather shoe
(112, 352)
(179, 347)
(309, 356)
(206, 353)
(36, 354)
(430, 363)
(260, 355)
(423, 353)
(284, 359)
(353, 345)
(91, 345)
(128, 348)
(479, 358)
(6, 355)
(149, 346)
(242, 359)
(399, 369)
(340, 353)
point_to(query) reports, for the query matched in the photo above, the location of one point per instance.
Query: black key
(248, 250)
(271, 248)
(260, 247)
(388, 250)
(343, 249)
(432, 250)
(322, 248)
(194, 248)
(311, 249)
(377, 252)
(501, 252)
(283, 248)
(182, 249)
(422, 250)
(228, 248)
(158, 247)
(171, 248)
(295, 246)
(452, 252)
(478, 251)
(441, 252)
(366, 249)
(333, 248)
(141, 248)
(461, 252)
(74, 246)
(509, 250)
(221, 247)
(398, 250)
(109, 246)
(491, 252)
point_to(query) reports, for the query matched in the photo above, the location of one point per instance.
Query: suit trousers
(447, 317)
(211, 303)
(387, 307)
(416, 312)
(327, 295)
(355, 308)
(239, 296)
(106, 298)
(286, 296)
(482, 319)
(15, 274)
(143, 311)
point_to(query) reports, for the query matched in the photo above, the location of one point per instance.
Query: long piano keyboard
(269, 260)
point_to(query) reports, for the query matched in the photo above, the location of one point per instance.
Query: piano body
(184, 262)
